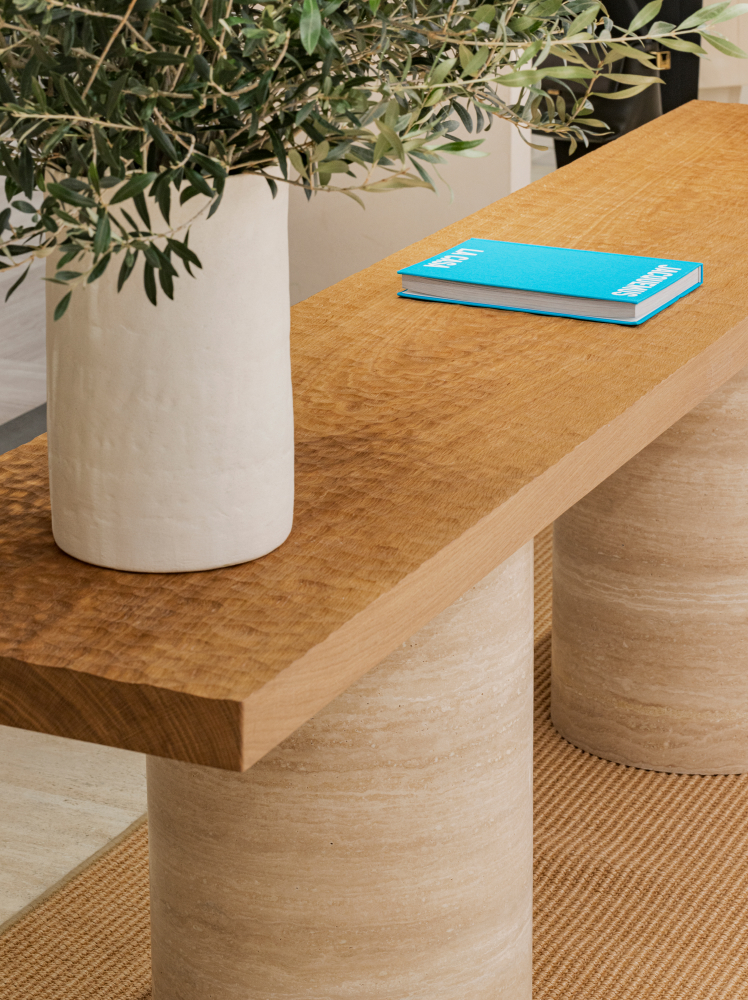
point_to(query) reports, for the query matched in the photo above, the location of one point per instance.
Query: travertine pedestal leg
(381, 852)
(650, 601)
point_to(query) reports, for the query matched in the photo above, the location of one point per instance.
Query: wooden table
(433, 442)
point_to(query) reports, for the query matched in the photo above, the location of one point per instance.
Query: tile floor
(60, 802)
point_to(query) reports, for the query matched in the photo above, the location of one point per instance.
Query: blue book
(605, 287)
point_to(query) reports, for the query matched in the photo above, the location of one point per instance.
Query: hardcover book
(582, 284)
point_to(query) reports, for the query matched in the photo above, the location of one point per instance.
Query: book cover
(554, 271)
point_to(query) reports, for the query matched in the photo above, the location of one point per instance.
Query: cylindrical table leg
(650, 601)
(381, 852)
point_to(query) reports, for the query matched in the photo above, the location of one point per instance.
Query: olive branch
(112, 110)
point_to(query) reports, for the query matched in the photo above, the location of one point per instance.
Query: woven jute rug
(641, 885)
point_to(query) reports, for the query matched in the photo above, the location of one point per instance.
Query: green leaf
(204, 30)
(459, 145)
(162, 140)
(530, 52)
(62, 306)
(648, 13)
(524, 77)
(583, 20)
(621, 95)
(202, 66)
(484, 14)
(441, 71)
(435, 96)
(303, 113)
(279, 150)
(72, 96)
(126, 270)
(463, 115)
(41, 97)
(630, 52)
(56, 137)
(187, 193)
(594, 122)
(161, 191)
(199, 182)
(166, 280)
(393, 183)
(736, 10)
(521, 23)
(214, 169)
(661, 28)
(149, 281)
(17, 283)
(297, 162)
(393, 139)
(335, 167)
(380, 147)
(131, 222)
(310, 25)
(105, 152)
(723, 45)
(165, 59)
(99, 269)
(140, 203)
(71, 197)
(321, 151)
(475, 65)
(217, 201)
(546, 8)
(184, 252)
(136, 185)
(103, 235)
(632, 79)
(570, 72)
(681, 45)
(705, 14)
(114, 94)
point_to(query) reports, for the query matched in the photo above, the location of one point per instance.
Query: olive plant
(105, 102)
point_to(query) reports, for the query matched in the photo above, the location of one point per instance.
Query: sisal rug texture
(641, 878)
(88, 941)
(641, 885)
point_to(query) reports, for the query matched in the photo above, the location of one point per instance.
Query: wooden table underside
(432, 441)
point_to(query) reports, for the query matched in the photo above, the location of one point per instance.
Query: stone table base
(650, 601)
(381, 852)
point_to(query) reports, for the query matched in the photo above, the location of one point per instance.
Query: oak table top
(432, 441)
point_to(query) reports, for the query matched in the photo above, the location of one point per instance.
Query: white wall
(722, 78)
(332, 237)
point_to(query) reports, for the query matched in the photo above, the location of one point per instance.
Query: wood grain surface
(432, 442)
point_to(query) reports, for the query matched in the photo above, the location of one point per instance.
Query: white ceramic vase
(171, 428)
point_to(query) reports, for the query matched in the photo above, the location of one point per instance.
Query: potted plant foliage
(160, 137)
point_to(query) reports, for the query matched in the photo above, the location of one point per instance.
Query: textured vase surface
(171, 427)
